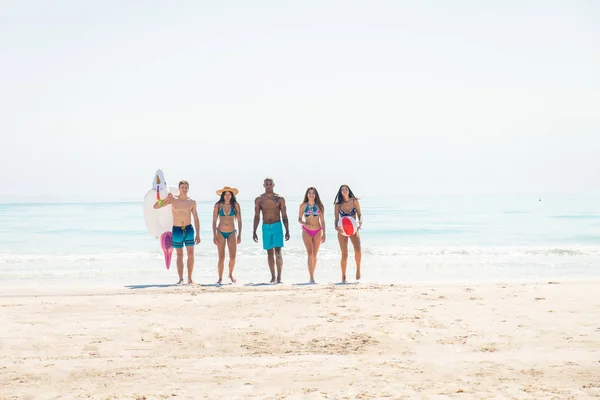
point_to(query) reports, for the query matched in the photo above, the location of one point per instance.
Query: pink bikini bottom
(311, 232)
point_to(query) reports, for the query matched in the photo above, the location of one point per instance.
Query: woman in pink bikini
(313, 227)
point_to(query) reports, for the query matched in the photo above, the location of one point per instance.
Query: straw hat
(228, 189)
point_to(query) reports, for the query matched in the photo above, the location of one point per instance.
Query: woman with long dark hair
(227, 210)
(311, 217)
(347, 205)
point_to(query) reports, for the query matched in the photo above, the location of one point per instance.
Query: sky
(399, 97)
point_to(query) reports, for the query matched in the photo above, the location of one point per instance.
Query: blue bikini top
(350, 214)
(231, 213)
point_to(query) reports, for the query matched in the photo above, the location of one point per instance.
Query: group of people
(227, 212)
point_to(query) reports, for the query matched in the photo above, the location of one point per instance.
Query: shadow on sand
(215, 284)
(168, 285)
(151, 286)
(260, 284)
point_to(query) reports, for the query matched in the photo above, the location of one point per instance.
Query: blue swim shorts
(181, 235)
(272, 235)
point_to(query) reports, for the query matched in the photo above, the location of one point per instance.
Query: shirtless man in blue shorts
(273, 211)
(183, 232)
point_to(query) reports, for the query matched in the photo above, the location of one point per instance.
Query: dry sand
(513, 341)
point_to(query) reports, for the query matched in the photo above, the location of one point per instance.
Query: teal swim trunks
(183, 235)
(272, 235)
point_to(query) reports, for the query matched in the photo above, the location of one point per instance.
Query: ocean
(405, 239)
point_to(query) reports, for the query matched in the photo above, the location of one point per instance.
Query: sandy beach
(513, 341)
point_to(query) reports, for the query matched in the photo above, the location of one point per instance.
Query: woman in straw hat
(313, 227)
(226, 211)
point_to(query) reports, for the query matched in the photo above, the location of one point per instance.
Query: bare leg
(308, 243)
(232, 245)
(190, 263)
(316, 245)
(271, 258)
(180, 265)
(344, 249)
(221, 251)
(357, 253)
(279, 259)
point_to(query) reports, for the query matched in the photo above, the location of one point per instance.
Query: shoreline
(82, 286)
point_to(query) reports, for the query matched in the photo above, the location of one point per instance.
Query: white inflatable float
(159, 222)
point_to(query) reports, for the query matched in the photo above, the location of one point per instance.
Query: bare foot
(219, 281)
(190, 282)
(358, 274)
(343, 279)
(312, 280)
(180, 282)
(272, 280)
(232, 279)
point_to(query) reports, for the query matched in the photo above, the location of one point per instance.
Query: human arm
(238, 215)
(300, 213)
(214, 223)
(256, 218)
(284, 217)
(322, 218)
(358, 214)
(196, 223)
(336, 214)
(165, 202)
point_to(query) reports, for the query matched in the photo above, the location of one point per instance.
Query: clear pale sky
(401, 96)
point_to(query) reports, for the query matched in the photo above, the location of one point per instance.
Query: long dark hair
(233, 200)
(339, 198)
(317, 198)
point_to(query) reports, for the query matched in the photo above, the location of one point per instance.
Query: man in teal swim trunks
(273, 211)
(184, 208)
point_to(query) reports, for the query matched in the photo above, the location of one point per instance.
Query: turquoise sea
(405, 239)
